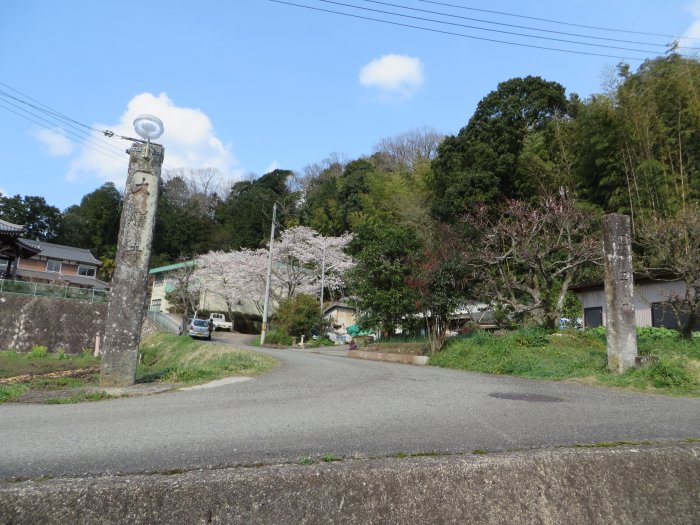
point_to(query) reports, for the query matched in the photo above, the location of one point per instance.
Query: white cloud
(58, 144)
(395, 74)
(189, 140)
(694, 30)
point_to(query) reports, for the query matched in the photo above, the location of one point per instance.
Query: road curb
(631, 484)
(389, 358)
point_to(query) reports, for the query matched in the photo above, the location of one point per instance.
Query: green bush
(299, 315)
(277, 337)
(656, 334)
(61, 354)
(644, 333)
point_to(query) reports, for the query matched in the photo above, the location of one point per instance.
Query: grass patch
(14, 363)
(167, 358)
(12, 392)
(79, 397)
(571, 354)
(177, 359)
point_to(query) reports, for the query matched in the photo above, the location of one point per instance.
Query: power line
(44, 108)
(501, 31)
(59, 124)
(529, 28)
(62, 120)
(461, 35)
(561, 22)
(87, 139)
(78, 140)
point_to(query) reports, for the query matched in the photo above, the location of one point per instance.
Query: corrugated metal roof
(171, 267)
(55, 276)
(64, 253)
(8, 227)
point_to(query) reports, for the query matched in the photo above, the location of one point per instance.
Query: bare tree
(671, 252)
(408, 148)
(184, 289)
(527, 258)
(198, 190)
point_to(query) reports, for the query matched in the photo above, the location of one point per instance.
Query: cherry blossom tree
(299, 256)
(298, 260)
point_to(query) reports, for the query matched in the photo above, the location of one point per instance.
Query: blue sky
(249, 85)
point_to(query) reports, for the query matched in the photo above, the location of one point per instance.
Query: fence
(165, 322)
(52, 290)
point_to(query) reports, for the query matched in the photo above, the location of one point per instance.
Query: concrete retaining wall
(635, 485)
(26, 321)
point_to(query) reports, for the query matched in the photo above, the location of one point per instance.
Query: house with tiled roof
(45, 262)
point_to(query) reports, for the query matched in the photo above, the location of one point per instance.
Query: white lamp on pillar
(148, 127)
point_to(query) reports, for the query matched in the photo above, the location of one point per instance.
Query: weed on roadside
(12, 392)
(38, 351)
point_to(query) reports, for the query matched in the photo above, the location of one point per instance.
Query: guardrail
(51, 290)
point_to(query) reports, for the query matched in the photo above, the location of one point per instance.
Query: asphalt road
(313, 404)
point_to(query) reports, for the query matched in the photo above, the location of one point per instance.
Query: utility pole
(323, 275)
(269, 275)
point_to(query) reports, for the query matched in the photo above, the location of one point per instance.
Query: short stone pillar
(130, 280)
(619, 292)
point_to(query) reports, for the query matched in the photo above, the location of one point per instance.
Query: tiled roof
(53, 276)
(8, 227)
(64, 253)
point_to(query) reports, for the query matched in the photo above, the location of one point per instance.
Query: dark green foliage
(299, 315)
(42, 221)
(246, 215)
(94, 224)
(383, 252)
(334, 199)
(185, 223)
(480, 164)
(247, 323)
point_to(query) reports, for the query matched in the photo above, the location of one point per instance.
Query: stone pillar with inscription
(130, 278)
(619, 292)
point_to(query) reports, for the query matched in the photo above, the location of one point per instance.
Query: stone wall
(73, 325)
(637, 485)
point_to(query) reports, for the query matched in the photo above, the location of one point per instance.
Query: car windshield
(199, 322)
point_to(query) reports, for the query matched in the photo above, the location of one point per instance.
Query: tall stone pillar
(130, 279)
(619, 292)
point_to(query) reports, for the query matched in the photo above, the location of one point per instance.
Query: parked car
(199, 328)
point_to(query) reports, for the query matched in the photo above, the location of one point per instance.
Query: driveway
(313, 404)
